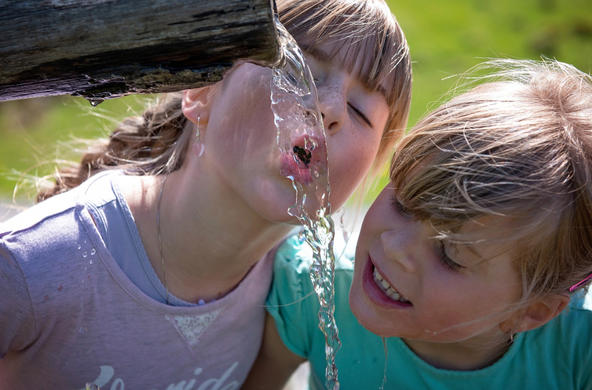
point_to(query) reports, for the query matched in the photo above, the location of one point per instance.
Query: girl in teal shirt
(470, 265)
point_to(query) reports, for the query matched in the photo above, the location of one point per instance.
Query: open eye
(359, 113)
(446, 260)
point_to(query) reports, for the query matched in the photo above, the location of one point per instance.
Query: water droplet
(93, 251)
(90, 262)
(79, 246)
(95, 101)
(84, 254)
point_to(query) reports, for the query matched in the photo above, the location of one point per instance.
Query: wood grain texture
(108, 48)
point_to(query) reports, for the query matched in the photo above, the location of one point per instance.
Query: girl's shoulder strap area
(51, 207)
(36, 214)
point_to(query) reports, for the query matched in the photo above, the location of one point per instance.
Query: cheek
(460, 308)
(350, 159)
(244, 97)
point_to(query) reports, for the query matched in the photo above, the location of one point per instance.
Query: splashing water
(301, 139)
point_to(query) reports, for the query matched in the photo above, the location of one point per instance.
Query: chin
(359, 308)
(271, 200)
(277, 214)
(366, 316)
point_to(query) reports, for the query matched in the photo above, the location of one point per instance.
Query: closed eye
(360, 114)
(447, 261)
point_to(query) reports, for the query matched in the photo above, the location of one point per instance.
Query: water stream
(301, 137)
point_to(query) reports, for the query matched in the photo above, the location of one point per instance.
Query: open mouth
(308, 154)
(303, 154)
(380, 290)
(387, 288)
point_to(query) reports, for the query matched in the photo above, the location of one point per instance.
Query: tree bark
(101, 49)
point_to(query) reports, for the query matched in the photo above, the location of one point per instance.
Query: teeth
(387, 288)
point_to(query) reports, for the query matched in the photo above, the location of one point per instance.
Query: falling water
(295, 106)
(385, 364)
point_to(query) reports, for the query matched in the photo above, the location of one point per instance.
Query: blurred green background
(446, 38)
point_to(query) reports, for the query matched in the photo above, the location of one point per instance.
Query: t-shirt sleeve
(291, 300)
(17, 322)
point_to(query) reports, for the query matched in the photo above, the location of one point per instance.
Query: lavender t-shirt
(69, 315)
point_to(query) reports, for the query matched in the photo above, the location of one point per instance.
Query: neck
(205, 252)
(473, 354)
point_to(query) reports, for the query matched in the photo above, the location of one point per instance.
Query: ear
(541, 311)
(196, 104)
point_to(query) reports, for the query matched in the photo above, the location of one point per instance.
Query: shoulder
(56, 216)
(41, 229)
(49, 241)
(292, 301)
(39, 213)
(573, 325)
(29, 243)
(563, 344)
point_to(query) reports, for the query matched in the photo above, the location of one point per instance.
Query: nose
(398, 247)
(333, 106)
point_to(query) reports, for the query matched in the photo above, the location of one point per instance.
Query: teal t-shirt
(555, 356)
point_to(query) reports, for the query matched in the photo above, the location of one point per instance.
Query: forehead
(359, 56)
(354, 63)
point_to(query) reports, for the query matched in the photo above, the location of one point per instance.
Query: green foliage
(446, 39)
(38, 132)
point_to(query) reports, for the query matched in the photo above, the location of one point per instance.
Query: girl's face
(240, 139)
(408, 284)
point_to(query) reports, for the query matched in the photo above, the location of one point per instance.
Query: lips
(308, 154)
(380, 291)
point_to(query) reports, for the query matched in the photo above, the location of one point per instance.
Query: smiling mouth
(387, 288)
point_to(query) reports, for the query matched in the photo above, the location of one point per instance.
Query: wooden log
(101, 49)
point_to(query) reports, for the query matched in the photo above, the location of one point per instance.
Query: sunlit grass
(36, 132)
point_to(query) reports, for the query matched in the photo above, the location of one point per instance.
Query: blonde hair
(519, 147)
(155, 142)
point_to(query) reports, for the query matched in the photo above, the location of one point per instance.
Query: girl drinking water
(153, 272)
(471, 266)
